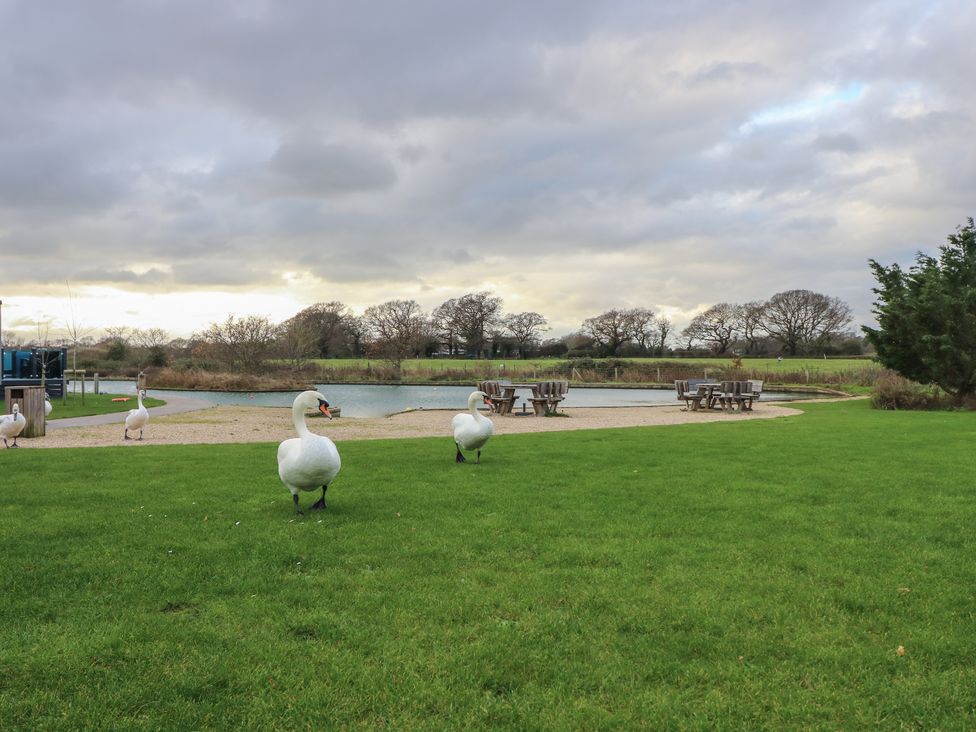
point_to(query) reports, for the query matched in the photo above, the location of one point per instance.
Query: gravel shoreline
(224, 424)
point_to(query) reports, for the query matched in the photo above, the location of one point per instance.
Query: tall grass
(602, 371)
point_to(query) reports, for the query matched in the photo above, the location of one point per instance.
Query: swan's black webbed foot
(459, 458)
(478, 461)
(319, 505)
(298, 510)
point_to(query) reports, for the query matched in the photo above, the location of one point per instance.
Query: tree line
(475, 325)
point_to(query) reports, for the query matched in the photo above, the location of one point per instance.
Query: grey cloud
(323, 169)
(839, 142)
(373, 143)
(725, 72)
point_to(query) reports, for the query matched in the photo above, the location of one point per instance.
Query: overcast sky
(174, 162)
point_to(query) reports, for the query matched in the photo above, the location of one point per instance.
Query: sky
(164, 164)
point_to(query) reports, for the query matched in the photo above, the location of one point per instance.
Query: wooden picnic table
(506, 398)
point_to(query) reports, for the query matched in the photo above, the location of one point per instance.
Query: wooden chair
(751, 391)
(726, 395)
(493, 389)
(690, 396)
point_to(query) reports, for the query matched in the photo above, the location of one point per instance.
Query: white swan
(137, 418)
(471, 431)
(12, 425)
(47, 406)
(308, 462)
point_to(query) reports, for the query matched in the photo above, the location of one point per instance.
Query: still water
(375, 401)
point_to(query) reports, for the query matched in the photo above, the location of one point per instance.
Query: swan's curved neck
(298, 418)
(473, 406)
(139, 397)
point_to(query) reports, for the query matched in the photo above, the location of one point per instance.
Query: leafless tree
(525, 328)
(446, 323)
(153, 341)
(663, 328)
(331, 323)
(750, 316)
(642, 329)
(716, 326)
(242, 343)
(395, 329)
(804, 320)
(473, 316)
(609, 330)
(75, 330)
(297, 341)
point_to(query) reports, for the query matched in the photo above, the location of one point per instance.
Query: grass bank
(723, 576)
(72, 406)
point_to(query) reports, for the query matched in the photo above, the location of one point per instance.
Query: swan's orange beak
(489, 402)
(324, 408)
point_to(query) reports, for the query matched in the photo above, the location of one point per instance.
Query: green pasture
(72, 406)
(734, 575)
(425, 365)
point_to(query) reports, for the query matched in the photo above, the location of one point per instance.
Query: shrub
(892, 391)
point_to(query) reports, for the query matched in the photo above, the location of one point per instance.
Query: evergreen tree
(927, 316)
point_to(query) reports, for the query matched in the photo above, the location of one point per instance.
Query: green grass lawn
(72, 405)
(733, 575)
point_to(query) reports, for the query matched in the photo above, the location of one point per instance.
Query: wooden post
(96, 383)
(82, 391)
(31, 401)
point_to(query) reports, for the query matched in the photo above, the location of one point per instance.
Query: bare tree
(804, 320)
(297, 341)
(525, 328)
(117, 337)
(642, 328)
(395, 329)
(75, 330)
(153, 341)
(244, 343)
(663, 328)
(330, 322)
(473, 317)
(716, 326)
(750, 316)
(446, 324)
(610, 330)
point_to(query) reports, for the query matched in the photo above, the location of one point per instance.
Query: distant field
(422, 365)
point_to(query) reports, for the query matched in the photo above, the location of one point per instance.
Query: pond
(359, 400)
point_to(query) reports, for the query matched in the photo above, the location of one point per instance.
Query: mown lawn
(739, 575)
(72, 406)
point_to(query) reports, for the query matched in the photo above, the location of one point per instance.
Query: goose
(12, 425)
(137, 418)
(308, 462)
(471, 431)
(47, 405)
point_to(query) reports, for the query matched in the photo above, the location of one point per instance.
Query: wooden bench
(547, 395)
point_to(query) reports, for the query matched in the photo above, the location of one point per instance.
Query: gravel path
(273, 424)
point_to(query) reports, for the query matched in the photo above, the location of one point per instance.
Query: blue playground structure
(26, 367)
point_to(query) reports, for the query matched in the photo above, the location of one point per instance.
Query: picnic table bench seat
(547, 395)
